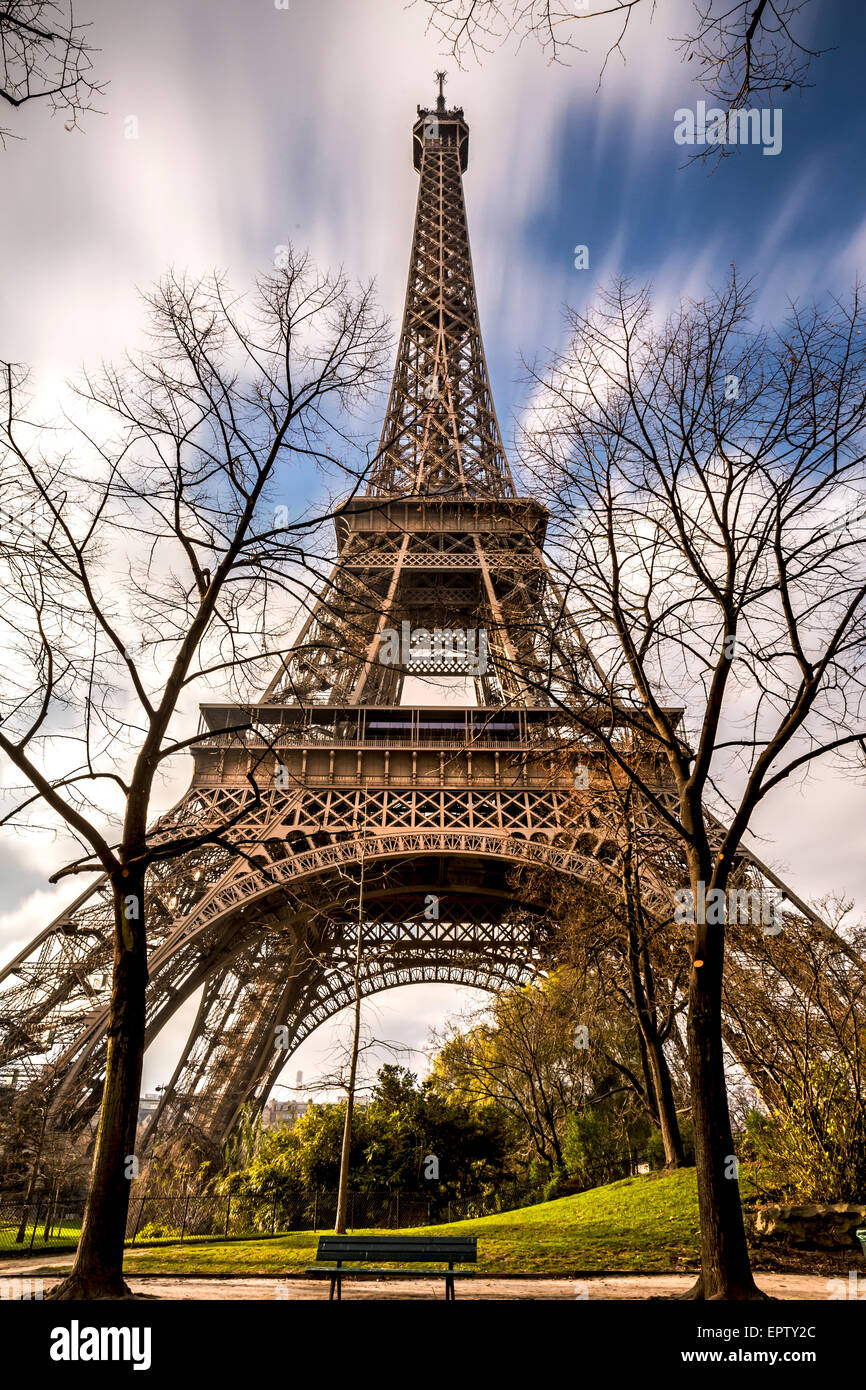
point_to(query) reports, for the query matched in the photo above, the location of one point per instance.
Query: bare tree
(346, 1148)
(706, 480)
(350, 896)
(747, 49)
(143, 558)
(798, 1026)
(743, 48)
(640, 959)
(45, 56)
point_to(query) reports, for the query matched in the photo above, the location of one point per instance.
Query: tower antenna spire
(441, 78)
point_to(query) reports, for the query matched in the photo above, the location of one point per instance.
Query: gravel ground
(798, 1287)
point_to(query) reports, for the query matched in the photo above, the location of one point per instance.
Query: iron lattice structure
(420, 814)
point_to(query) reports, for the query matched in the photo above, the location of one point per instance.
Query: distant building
(275, 1112)
(147, 1105)
(282, 1112)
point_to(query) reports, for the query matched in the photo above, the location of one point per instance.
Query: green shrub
(813, 1148)
(156, 1230)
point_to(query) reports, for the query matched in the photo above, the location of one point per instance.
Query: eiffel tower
(406, 823)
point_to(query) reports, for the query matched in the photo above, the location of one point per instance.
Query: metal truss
(441, 435)
(429, 830)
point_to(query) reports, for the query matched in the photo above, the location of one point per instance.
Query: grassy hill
(641, 1223)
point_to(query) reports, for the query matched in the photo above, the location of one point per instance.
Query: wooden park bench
(408, 1249)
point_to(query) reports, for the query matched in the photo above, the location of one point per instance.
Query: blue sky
(256, 126)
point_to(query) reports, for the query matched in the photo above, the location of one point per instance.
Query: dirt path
(797, 1287)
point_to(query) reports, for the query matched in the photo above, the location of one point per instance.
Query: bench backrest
(406, 1249)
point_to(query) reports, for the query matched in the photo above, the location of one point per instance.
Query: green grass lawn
(642, 1223)
(62, 1237)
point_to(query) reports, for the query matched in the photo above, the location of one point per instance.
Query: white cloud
(257, 125)
(24, 921)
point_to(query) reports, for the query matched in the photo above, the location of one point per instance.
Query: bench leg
(331, 1294)
(449, 1289)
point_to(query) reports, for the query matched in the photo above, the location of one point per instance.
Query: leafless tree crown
(741, 48)
(45, 55)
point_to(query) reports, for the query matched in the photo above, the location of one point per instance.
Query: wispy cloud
(258, 125)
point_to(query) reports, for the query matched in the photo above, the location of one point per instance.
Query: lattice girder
(476, 940)
(472, 806)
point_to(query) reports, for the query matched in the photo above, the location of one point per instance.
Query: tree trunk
(343, 1194)
(345, 1152)
(726, 1272)
(98, 1269)
(667, 1111)
(34, 1174)
(643, 999)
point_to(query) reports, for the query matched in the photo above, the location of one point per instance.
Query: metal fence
(53, 1222)
(42, 1223)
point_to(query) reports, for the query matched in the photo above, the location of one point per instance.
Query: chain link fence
(54, 1221)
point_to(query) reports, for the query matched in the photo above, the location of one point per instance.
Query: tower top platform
(440, 126)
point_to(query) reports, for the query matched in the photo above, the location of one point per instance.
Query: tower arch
(368, 807)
